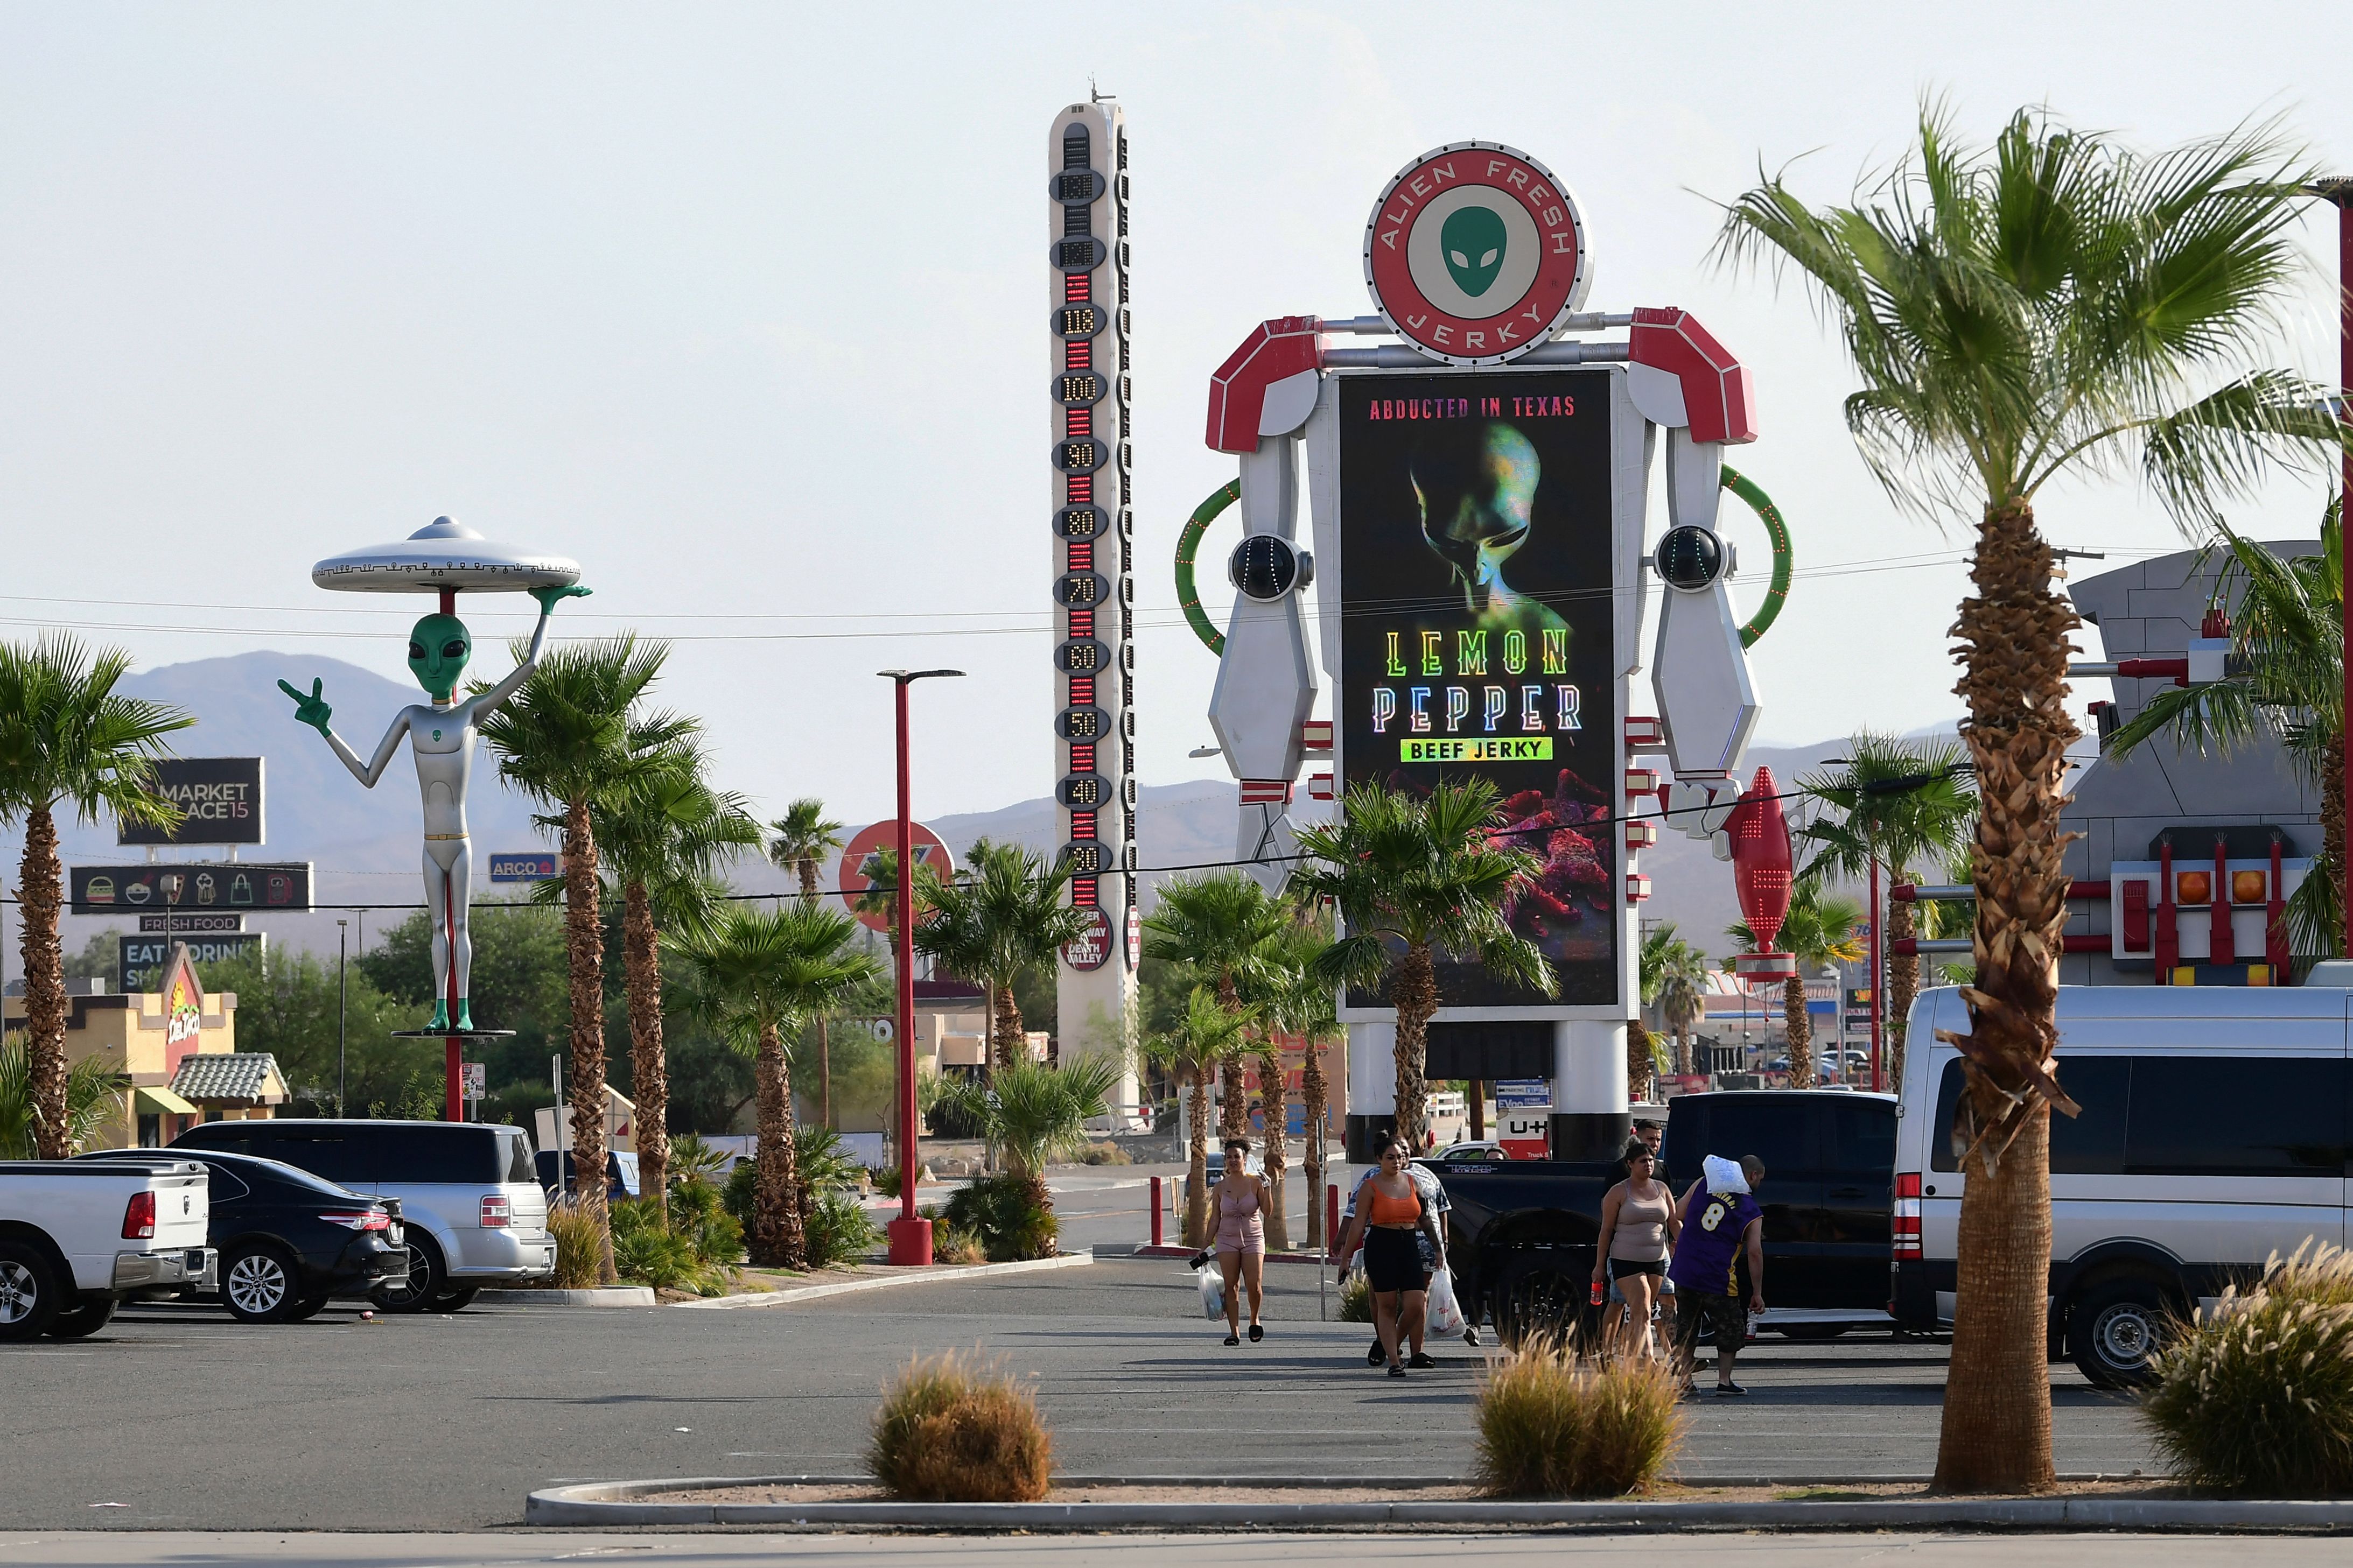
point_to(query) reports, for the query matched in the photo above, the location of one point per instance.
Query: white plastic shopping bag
(1444, 1313)
(1213, 1292)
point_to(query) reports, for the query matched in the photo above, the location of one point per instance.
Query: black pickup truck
(1522, 1236)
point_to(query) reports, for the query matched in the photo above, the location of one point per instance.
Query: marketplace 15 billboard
(219, 800)
(1476, 635)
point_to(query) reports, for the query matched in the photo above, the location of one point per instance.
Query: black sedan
(289, 1240)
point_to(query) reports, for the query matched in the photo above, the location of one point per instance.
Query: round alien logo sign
(1475, 253)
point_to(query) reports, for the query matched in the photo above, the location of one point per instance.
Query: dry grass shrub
(1356, 1298)
(1554, 1425)
(953, 1431)
(2257, 1397)
(579, 1248)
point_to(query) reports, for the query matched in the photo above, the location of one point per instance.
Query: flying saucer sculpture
(444, 558)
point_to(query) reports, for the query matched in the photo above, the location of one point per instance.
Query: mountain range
(364, 848)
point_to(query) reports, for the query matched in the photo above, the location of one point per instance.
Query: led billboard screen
(1476, 635)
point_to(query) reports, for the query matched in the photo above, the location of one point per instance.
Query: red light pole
(2339, 194)
(911, 1234)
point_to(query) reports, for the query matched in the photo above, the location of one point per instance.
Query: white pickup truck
(77, 1237)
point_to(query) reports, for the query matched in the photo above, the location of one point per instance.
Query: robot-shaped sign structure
(444, 558)
(1476, 257)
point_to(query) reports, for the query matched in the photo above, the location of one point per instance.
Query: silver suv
(468, 1194)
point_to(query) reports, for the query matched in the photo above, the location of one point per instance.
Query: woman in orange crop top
(1387, 1215)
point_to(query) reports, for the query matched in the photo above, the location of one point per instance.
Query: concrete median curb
(632, 1504)
(608, 1296)
(785, 1298)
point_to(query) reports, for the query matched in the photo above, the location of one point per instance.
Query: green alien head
(1474, 240)
(1477, 484)
(439, 648)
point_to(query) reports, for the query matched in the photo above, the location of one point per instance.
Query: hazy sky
(743, 307)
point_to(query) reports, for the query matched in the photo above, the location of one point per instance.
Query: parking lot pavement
(1254, 1551)
(178, 1418)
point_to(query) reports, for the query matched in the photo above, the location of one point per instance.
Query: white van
(2213, 1134)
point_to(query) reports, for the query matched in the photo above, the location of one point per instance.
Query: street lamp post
(342, 1008)
(2338, 193)
(911, 1234)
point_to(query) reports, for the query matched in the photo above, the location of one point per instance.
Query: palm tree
(756, 972)
(1681, 995)
(67, 738)
(1006, 915)
(1659, 950)
(805, 836)
(1305, 1005)
(1818, 929)
(1205, 1039)
(1903, 806)
(1426, 873)
(1033, 1113)
(573, 739)
(663, 840)
(2287, 679)
(1216, 925)
(2056, 305)
(93, 1100)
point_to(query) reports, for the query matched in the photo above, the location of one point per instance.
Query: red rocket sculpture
(1761, 869)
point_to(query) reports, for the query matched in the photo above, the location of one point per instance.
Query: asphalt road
(1407, 1550)
(178, 1418)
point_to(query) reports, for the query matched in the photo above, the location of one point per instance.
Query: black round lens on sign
(1689, 558)
(1263, 567)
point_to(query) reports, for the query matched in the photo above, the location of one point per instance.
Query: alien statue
(441, 736)
(1476, 482)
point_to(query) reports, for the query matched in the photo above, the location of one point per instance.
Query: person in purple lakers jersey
(1720, 1219)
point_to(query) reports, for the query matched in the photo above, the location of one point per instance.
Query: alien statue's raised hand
(311, 710)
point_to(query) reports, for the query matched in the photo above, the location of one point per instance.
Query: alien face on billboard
(1473, 241)
(439, 648)
(1476, 481)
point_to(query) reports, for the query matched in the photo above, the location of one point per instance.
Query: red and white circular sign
(859, 862)
(1475, 253)
(1091, 949)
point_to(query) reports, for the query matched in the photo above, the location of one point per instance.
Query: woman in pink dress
(1241, 1198)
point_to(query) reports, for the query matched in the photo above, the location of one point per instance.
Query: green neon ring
(1188, 541)
(1776, 594)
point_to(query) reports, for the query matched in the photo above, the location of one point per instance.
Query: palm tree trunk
(2013, 632)
(1006, 1019)
(824, 1075)
(1277, 1102)
(1415, 992)
(1196, 1161)
(1313, 1098)
(584, 938)
(1902, 986)
(37, 878)
(776, 1239)
(649, 1061)
(1233, 1110)
(1800, 1029)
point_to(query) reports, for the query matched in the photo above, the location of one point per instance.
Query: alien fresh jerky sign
(1476, 631)
(1474, 253)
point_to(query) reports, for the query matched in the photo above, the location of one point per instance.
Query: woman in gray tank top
(1638, 1229)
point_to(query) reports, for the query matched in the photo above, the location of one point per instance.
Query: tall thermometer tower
(1093, 539)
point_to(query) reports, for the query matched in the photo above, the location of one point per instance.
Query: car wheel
(29, 1292)
(258, 1284)
(1541, 1294)
(306, 1309)
(414, 1291)
(456, 1299)
(2113, 1330)
(86, 1317)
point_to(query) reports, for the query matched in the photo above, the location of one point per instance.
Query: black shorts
(1392, 1261)
(1697, 1310)
(1622, 1267)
